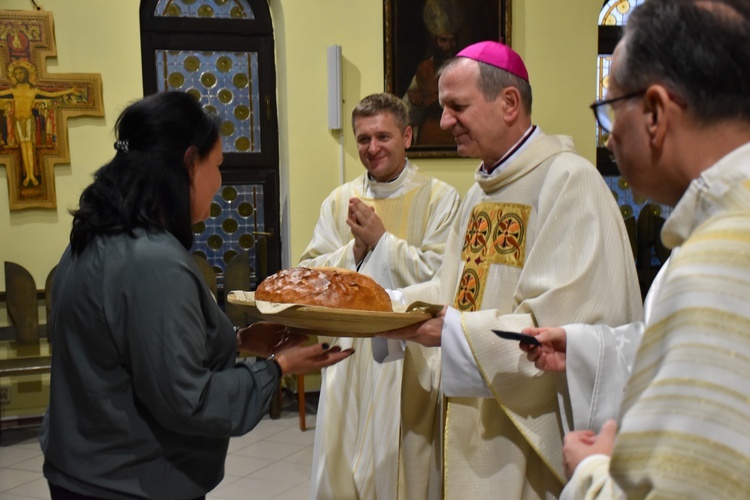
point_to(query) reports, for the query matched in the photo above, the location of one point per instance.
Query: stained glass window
(225, 83)
(641, 215)
(613, 13)
(616, 12)
(237, 217)
(602, 83)
(221, 52)
(218, 9)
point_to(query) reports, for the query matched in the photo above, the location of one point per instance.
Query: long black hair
(147, 183)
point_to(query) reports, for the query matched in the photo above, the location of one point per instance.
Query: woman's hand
(265, 338)
(305, 359)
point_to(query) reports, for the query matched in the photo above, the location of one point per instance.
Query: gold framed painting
(419, 37)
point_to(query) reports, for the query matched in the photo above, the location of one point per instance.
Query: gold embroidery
(661, 406)
(495, 234)
(732, 326)
(704, 463)
(508, 237)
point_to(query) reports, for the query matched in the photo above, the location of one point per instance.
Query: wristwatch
(272, 359)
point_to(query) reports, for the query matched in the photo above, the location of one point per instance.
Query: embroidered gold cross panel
(35, 107)
(495, 234)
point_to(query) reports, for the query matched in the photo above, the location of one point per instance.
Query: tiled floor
(273, 461)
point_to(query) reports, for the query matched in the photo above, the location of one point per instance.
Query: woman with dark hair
(145, 391)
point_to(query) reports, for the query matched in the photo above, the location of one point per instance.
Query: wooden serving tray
(329, 321)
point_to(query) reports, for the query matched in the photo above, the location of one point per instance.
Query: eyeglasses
(604, 113)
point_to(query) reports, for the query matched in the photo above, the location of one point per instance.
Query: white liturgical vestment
(358, 426)
(684, 429)
(539, 242)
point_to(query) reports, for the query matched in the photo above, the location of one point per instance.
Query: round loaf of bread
(325, 286)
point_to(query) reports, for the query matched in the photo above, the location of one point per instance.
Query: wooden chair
(649, 227)
(21, 302)
(237, 277)
(208, 273)
(301, 402)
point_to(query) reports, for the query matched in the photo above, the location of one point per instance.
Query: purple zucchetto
(498, 55)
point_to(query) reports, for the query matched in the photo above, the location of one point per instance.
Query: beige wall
(92, 37)
(102, 36)
(559, 46)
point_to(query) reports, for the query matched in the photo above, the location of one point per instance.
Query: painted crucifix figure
(35, 107)
(27, 116)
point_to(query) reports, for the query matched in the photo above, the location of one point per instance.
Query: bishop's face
(473, 120)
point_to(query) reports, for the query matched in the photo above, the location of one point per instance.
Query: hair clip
(122, 145)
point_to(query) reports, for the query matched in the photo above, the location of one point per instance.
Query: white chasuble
(358, 421)
(541, 242)
(684, 426)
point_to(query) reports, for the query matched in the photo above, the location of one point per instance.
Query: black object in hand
(524, 339)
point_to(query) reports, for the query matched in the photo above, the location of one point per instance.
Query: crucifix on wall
(35, 107)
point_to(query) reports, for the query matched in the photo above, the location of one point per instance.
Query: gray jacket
(145, 392)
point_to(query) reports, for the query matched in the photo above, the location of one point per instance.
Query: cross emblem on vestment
(621, 341)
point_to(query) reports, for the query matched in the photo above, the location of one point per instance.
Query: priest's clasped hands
(366, 226)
